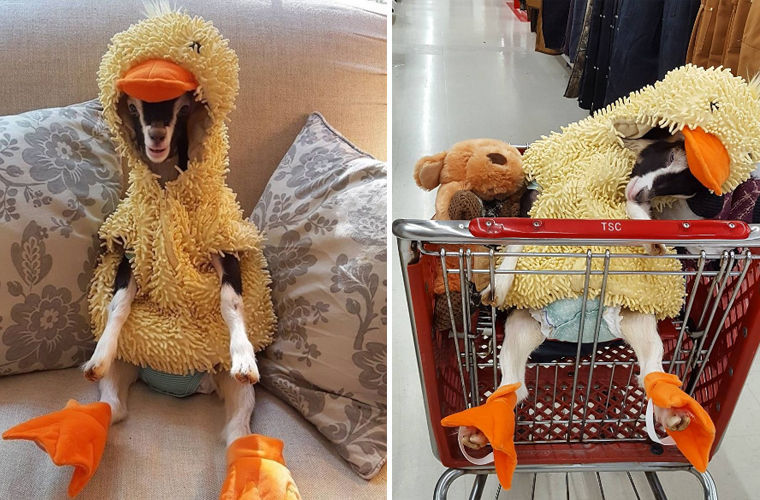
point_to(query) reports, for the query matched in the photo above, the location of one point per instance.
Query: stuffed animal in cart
(475, 178)
(180, 297)
(600, 168)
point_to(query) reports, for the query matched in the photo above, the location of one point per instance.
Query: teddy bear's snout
(497, 158)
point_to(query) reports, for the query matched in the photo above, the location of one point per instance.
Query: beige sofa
(295, 57)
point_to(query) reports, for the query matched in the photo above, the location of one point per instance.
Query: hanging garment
(594, 81)
(709, 31)
(554, 15)
(537, 6)
(635, 52)
(651, 38)
(579, 58)
(575, 23)
(723, 16)
(749, 56)
(677, 24)
(735, 34)
(727, 33)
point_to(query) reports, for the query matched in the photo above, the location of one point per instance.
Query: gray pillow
(59, 180)
(324, 216)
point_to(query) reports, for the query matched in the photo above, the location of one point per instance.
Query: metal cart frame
(584, 412)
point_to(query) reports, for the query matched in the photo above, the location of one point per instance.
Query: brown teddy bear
(475, 178)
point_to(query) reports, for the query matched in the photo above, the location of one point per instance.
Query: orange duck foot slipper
(74, 436)
(496, 419)
(696, 440)
(256, 471)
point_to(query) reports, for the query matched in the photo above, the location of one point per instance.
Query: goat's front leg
(114, 387)
(502, 282)
(244, 366)
(125, 289)
(642, 211)
(640, 331)
(522, 335)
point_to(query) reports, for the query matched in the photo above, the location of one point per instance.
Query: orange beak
(707, 158)
(157, 80)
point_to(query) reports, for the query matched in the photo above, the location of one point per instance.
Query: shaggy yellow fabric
(583, 172)
(175, 324)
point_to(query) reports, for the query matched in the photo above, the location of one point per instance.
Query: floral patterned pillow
(324, 215)
(59, 179)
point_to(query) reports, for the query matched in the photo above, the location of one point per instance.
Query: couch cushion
(166, 448)
(59, 179)
(324, 216)
(295, 57)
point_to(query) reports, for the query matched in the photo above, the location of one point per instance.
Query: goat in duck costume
(155, 301)
(583, 173)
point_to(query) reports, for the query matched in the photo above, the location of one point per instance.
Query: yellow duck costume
(176, 324)
(582, 172)
(170, 235)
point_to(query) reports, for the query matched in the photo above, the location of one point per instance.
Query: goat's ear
(427, 171)
(636, 145)
(629, 129)
(122, 109)
(198, 123)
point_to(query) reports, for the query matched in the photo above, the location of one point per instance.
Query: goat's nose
(157, 135)
(637, 191)
(642, 196)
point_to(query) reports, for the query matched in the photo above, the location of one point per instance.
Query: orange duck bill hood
(157, 80)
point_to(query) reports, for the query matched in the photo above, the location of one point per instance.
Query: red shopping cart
(584, 410)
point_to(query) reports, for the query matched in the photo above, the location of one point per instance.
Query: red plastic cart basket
(583, 411)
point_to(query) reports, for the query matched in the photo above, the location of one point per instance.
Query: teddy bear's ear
(427, 171)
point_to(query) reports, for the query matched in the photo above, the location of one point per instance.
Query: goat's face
(660, 170)
(157, 125)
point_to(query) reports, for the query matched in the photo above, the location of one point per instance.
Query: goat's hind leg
(239, 400)
(640, 331)
(522, 334)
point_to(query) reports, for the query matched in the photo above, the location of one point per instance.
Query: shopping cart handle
(608, 229)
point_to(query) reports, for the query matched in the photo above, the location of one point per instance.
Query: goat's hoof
(485, 297)
(677, 421)
(655, 249)
(672, 419)
(247, 378)
(472, 438)
(245, 371)
(93, 371)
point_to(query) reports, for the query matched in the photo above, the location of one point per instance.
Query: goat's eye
(196, 46)
(671, 157)
(132, 109)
